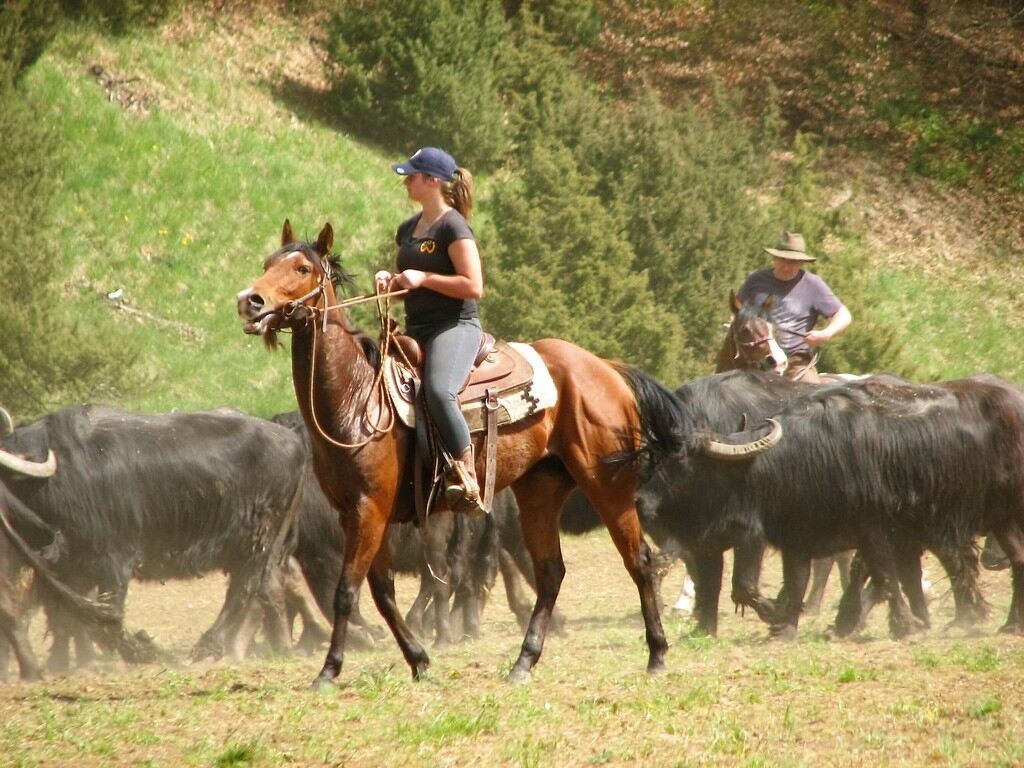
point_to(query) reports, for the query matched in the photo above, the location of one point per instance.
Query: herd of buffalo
(93, 497)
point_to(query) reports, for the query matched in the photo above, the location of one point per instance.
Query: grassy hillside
(177, 198)
(187, 145)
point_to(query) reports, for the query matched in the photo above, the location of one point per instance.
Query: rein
(378, 386)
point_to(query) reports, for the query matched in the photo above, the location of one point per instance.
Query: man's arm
(836, 325)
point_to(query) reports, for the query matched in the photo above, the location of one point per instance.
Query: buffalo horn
(730, 452)
(6, 422)
(29, 468)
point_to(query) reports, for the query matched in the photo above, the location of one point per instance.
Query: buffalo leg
(707, 588)
(1012, 541)
(300, 601)
(796, 572)
(12, 633)
(540, 495)
(275, 615)
(438, 575)
(881, 563)
(961, 565)
(517, 600)
(908, 569)
(233, 613)
(747, 560)
(821, 567)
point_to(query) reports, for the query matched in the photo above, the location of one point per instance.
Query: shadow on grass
(321, 106)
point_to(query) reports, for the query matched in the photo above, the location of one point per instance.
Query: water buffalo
(166, 496)
(879, 465)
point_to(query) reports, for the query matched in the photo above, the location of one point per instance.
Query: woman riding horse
(362, 456)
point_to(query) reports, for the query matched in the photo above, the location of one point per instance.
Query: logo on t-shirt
(428, 246)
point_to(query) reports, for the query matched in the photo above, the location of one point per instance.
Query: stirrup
(463, 493)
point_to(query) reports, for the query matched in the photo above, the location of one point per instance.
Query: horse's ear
(734, 302)
(325, 241)
(768, 303)
(287, 236)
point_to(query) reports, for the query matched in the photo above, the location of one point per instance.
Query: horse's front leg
(364, 535)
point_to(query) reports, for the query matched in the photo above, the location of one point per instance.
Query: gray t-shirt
(797, 305)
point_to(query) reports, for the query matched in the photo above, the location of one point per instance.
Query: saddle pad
(513, 404)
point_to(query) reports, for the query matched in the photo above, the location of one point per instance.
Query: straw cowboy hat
(791, 247)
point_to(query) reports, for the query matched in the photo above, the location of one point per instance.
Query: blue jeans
(448, 354)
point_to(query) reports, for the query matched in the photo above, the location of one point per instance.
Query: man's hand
(817, 338)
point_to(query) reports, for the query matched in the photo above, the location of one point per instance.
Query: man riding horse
(796, 299)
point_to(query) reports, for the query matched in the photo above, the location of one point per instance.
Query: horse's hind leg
(541, 495)
(615, 504)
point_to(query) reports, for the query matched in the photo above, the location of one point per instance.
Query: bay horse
(750, 342)
(363, 456)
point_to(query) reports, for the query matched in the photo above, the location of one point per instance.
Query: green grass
(955, 330)
(179, 207)
(740, 700)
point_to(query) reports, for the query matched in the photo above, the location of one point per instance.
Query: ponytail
(458, 192)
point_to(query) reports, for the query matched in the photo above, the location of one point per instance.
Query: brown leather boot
(462, 491)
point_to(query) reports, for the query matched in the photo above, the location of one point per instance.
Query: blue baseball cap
(431, 161)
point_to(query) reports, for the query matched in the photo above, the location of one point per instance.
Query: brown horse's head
(752, 333)
(295, 277)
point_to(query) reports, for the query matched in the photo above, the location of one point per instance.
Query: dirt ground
(937, 699)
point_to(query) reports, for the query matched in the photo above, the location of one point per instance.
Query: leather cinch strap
(491, 406)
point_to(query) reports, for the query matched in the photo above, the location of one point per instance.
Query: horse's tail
(665, 424)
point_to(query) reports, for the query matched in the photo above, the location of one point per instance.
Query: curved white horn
(729, 452)
(29, 468)
(6, 422)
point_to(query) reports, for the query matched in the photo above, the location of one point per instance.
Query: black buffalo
(879, 465)
(17, 555)
(167, 496)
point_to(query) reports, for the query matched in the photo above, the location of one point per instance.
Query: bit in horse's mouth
(258, 326)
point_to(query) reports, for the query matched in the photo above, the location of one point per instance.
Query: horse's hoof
(520, 677)
(1011, 629)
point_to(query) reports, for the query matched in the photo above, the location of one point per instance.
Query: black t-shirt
(429, 253)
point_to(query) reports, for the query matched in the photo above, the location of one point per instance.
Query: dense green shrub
(47, 357)
(26, 26)
(622, 225)
(558, 266)
(119, 16)
(426, 73)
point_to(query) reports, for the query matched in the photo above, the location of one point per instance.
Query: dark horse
(363, 457)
